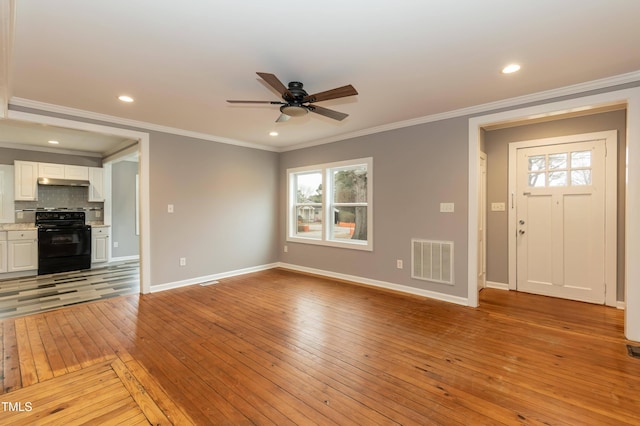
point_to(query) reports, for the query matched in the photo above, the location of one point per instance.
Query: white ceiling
(407, 59)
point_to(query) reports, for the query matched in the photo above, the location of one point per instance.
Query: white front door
(561, 220)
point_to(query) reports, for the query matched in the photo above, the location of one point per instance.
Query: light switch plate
(497, 207)
(170, 208)
(446, 207)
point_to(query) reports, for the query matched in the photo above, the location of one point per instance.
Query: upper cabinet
(96, 184)
(26, 181)
(26, 174)
(62, 171)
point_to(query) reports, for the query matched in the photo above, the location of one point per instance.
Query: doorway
(629, 99)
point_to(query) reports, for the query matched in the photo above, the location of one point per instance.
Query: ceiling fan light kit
(297, 100)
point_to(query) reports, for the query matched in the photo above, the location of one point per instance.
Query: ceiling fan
(297, 102)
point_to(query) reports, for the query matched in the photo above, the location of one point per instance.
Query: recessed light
(125, 98)
(510, 68)
(273, 133)
(54, 142)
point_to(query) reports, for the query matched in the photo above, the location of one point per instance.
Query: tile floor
(27, 295)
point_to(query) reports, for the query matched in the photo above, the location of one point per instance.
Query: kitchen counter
(17, 226)
(95, 224)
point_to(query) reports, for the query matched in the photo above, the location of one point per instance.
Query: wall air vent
(432, 260)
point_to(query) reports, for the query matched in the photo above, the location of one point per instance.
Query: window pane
(309, 221)
(537, 163)
(581, 159)
(309, 187)
(557, 178)
(580, 177)
(350, 185)
(537, 180)
(558, 161)
(349, 223)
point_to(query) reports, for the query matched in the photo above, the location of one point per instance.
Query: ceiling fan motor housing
(295, 87)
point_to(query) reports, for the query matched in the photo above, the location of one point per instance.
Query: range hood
(62, 182)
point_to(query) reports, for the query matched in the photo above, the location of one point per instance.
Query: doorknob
(521, 232)
(521, 222)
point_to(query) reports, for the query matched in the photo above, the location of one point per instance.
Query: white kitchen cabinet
(51, 170)
(76, 172)
(22, 249)
(7, 206)
(96, 184)
(25, 180)
(99, 244)
(3, 251)
(62, 171)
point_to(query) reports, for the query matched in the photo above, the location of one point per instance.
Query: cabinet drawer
(22, 235)
(99, 231)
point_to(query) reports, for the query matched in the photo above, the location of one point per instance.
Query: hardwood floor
(277, 347)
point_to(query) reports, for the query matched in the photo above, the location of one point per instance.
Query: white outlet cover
(170, 208)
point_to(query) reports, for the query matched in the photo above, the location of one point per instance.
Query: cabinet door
(26, 181)
(76, 172)
(96, 184)
(3, 256)
(23, 255)
(99, 244)
(50, 170)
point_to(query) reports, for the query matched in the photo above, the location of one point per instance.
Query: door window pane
(558, 161)
(537, 163)
(557, 178)
(580, 159)
(580, 177)
(537, 180)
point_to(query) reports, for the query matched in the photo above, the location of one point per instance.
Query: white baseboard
(381, 284)
(213, 277)
(125, 258)
(621, 305)
(499, 286)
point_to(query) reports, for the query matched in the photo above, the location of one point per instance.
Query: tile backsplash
(60, 197)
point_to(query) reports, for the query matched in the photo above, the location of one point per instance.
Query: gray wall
(225, 215)
(414, 170)
(496, 146)
(123, 210)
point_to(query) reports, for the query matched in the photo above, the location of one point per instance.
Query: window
(561, 169)
(331, 204)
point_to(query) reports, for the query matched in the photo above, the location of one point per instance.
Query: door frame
(482, 219)
(630, 99)
(144, 172)
(611, 210)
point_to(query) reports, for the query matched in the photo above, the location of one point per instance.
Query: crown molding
(482, 108)
(469, 111)
(110, 119)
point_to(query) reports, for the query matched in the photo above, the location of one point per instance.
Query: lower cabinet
(3, 251)
(99, 244)
(22, 250)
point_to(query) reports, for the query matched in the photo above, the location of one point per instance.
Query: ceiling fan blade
(274, 82)
(339, 92)
(328, 112)
(283, 117)
(256, 102)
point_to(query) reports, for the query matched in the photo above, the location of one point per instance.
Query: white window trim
(324, 240)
